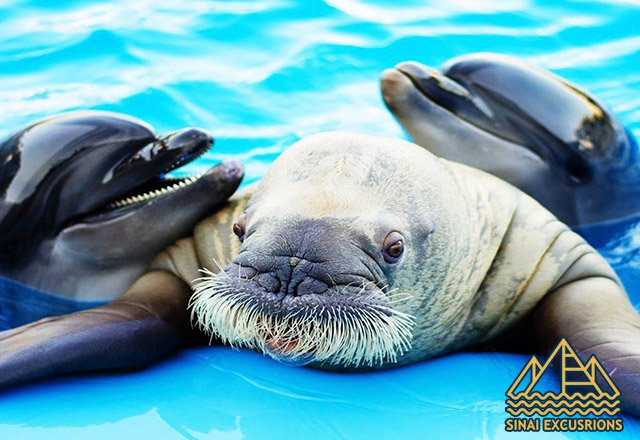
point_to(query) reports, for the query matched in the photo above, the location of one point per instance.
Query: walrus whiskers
(320, 258)
(369, 334)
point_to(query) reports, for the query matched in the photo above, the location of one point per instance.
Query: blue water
(260, 75)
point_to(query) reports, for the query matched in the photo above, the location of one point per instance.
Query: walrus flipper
(596, 317)
(147, 322)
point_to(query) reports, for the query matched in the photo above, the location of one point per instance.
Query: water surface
(260, 75)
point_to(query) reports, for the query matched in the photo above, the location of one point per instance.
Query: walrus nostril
(310, 286)
(268, 282)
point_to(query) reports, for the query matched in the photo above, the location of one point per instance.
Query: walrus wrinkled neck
(465, 245)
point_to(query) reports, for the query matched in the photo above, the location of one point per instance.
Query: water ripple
(260, 75)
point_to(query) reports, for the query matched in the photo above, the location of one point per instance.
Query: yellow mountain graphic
(589, 398)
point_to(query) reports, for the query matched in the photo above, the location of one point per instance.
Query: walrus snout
(342, 327)
(306, 290)
(273, 279)
(303, 257)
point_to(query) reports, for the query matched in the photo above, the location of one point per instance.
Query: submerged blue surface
(260, 75)
(21, 304)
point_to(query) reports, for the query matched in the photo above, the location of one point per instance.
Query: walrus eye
(239, 227)
(393, 247)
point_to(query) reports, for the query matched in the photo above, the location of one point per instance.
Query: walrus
(357, 252)
(534, 129)
(84, 198)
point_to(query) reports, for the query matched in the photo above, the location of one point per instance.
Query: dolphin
(86, 202)
(525, 125)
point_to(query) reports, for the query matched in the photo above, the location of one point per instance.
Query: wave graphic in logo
(586, 388)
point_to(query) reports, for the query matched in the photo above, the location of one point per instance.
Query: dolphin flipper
(147, 322)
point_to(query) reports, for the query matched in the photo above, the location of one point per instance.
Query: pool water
(260, 75)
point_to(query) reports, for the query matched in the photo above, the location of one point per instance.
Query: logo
(587, 399)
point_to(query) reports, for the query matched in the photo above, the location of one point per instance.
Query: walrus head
(347, 243)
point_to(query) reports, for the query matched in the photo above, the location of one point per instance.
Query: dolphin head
(521, 123)
(91, 187)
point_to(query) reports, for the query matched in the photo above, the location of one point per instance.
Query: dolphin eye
(239, 227)
(393, 247)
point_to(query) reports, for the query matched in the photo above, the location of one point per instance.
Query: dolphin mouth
(481, 103)
(447, 93)
(464, 102)
(147, 188)
(161, 184)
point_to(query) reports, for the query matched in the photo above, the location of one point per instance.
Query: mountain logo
(585, 389)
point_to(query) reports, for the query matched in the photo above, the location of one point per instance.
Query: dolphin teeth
(179, 183)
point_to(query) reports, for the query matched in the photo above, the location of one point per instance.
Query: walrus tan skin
(359, 252)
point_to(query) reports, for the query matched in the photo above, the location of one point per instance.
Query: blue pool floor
(260, 75)
(220, 393)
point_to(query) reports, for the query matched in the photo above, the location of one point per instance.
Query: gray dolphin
(85, 203)
(524, 125)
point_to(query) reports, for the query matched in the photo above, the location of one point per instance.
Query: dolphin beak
(394, 85)
(143, 174)
(172, 151)
(190, 143)
(444, 91)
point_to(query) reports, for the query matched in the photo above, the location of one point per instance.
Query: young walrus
(358, 252)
